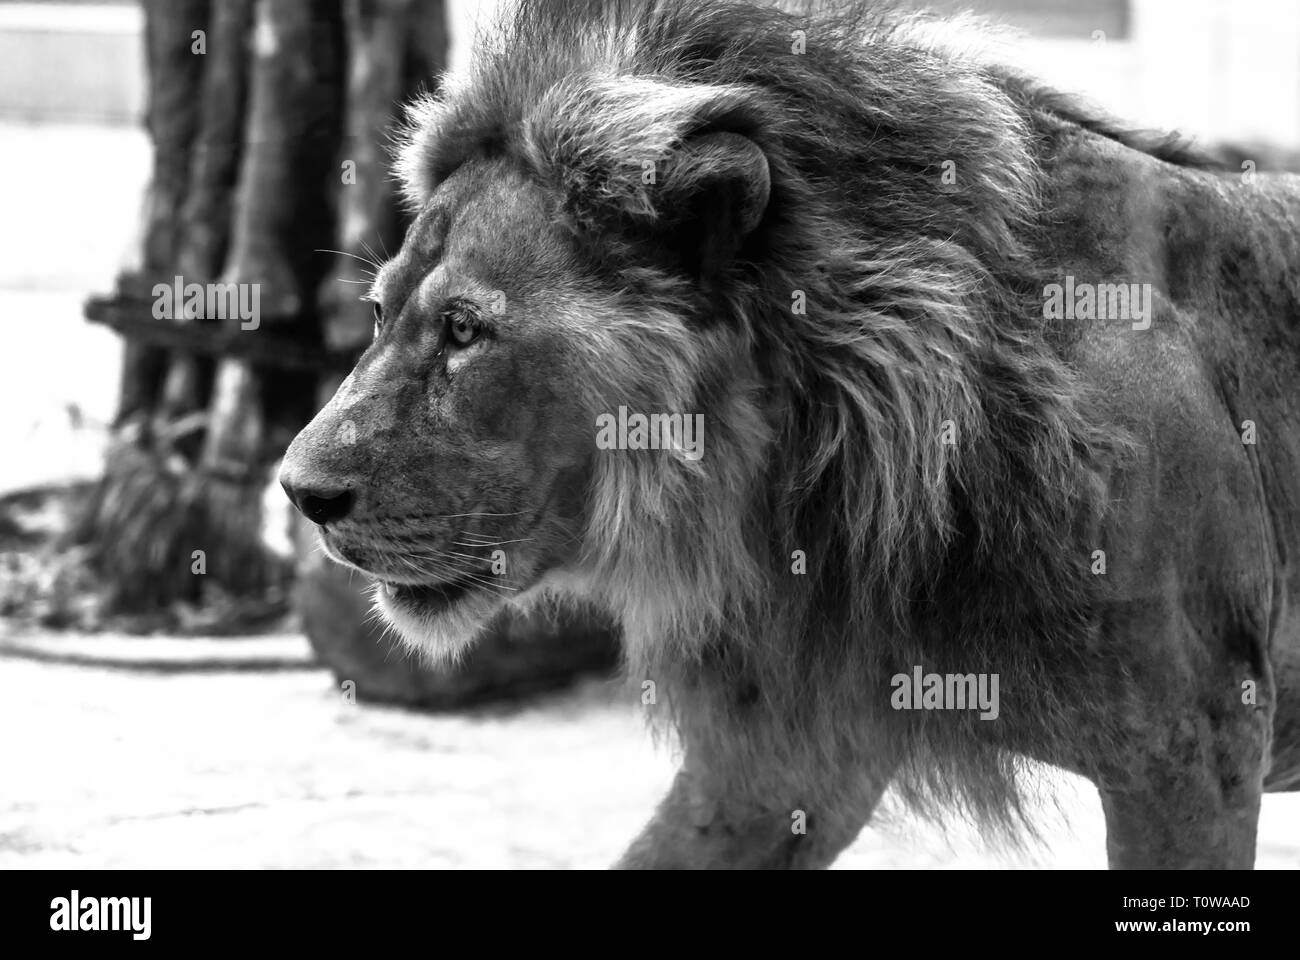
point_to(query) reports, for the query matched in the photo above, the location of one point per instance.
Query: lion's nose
(318, 504)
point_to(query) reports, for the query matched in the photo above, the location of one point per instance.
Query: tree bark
(284, 210)
(206, 214)
(174, 77)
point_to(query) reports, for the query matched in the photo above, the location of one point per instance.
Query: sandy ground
(107, 768)
(212, 768)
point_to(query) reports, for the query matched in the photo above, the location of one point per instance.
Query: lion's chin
(440, 623)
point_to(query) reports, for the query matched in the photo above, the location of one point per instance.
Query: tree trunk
(175, 75)
(367, 213)
(283, 213)
(206, 214)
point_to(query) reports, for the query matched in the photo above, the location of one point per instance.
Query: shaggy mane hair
(923, 322)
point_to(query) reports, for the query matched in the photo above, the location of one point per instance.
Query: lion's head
(457, 435)
(472, 456)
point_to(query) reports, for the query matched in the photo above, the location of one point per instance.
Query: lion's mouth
(440, 594)
(432, 597)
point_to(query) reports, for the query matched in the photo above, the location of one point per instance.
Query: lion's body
(841, 258)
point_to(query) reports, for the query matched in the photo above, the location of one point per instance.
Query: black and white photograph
(535, 435)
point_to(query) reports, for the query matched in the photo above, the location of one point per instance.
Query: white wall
(71, 63)
(1216, 69)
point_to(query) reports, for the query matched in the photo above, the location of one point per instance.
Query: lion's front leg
(1183, 789)
(1167, 829)
(701, 824)
(1192, 800)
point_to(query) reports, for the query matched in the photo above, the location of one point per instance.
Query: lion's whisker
(344, 253)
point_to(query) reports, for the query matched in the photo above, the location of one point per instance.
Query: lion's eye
(461, 329)
(378, 313)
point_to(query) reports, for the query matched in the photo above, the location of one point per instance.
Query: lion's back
(1209, 508)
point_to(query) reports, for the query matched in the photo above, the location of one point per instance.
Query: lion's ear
(714, 194)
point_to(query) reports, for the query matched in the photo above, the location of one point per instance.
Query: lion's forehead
(487, 231)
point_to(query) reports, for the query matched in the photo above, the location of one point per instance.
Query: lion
(996, 431)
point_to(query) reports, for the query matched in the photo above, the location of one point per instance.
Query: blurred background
(186, 681)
